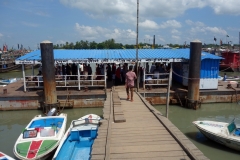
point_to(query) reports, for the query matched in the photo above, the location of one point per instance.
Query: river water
(182, 118)
(13, 122)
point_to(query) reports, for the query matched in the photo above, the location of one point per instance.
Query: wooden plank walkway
(138, 131)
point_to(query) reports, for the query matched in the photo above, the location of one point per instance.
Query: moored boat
(221, 132)
(40, 137)
(231, 61)
(77, 141)
(8, 81)
(3, 156)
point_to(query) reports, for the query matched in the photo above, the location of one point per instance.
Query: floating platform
(13, 97)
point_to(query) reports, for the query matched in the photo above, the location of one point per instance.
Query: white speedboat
(41, 136)
(227, 134)
(3, 156)
(77, 141)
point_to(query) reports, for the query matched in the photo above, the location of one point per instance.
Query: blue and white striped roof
(170, 55)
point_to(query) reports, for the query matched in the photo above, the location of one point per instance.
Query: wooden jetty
(136, 130)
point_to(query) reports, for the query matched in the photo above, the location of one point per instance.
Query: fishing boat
(223, 133)
(77, 141)
(8, 81)
(41, 136)
(231, 61)
(3, 156)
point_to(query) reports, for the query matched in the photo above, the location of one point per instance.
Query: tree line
(109, 44)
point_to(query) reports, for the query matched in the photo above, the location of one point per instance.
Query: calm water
(182, 118)
(17, 74)
(12, 124)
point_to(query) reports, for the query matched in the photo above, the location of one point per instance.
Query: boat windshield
(29, 134)
(85, 121)
(48, 132)
(231, 127)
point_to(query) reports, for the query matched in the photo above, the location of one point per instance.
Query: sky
(30, 22)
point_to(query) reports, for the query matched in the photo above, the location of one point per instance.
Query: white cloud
(174, 31)
(94, 33)
(125, 10)
(216, 30)
(1, 35)
(171, 24)
(200, 27)
(191, 23)
(148, 24)
(225, 7)
(90, 32)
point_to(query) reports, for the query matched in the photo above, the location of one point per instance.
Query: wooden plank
(157, 158)
(97, 157)
(160, 129)
(119, 118)
(141, 134)
(98, 150)
(135, 125)
(146, 148)
(141, 138)
(145, 155)
(142, 142)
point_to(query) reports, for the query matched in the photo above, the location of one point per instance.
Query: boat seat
(75, 135)
(237, 132)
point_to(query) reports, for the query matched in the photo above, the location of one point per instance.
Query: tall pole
(194, 74)
(48, 72)
(137, 46)
(168, 90)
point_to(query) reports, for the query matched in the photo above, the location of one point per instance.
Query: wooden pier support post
(194, 74)
(48, 72)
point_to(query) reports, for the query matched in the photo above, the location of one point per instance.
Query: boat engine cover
(52, 112)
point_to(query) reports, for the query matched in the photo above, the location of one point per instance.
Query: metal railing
(71, 81)
(159, 79)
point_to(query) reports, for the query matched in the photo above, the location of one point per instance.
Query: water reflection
(183, 117)
(12, 124)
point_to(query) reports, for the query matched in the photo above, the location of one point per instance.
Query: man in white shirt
(80, 68)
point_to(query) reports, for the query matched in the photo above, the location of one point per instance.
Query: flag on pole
(227, 35)
(215, 39)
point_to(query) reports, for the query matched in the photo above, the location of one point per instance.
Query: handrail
(155, 79)
(68, 81)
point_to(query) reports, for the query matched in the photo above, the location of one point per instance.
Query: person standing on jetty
(129, 82)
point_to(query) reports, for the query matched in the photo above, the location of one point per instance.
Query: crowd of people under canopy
(116, 73)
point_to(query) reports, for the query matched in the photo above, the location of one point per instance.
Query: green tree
(100, 46)
(93, 45)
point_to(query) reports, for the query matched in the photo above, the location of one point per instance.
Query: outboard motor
(52, 112)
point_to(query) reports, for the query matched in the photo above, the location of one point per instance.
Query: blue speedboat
(78, 140)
